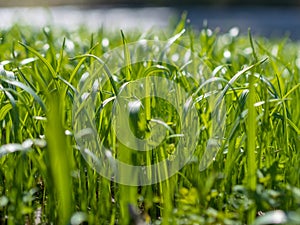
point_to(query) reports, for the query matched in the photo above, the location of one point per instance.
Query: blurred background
(150, 2)
(271, 18)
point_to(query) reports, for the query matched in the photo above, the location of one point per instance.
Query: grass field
(254, 177)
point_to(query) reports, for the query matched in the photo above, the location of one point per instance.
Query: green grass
(45, 179)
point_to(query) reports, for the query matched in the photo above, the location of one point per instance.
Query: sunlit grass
(44, 178)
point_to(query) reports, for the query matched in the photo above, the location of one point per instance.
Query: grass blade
(127, 58)
(37, 54)
(59, 157)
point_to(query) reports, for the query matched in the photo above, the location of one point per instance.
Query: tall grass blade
(128, 68)
(251, 139)
(59, 156)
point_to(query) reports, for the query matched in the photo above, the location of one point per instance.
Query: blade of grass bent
(82, 59)
(28, 90)
(107, 71)
(47, 64)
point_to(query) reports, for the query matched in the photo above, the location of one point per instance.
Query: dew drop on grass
(3, 201)
(69, 45)
(108, 154)
(47, 30)
(234, 32)
(68, 133)
(46, 47)
(248, 51)
(274, 217)
(227, 54)
(105, 42)
(209, 32)
(78, 218)
(286, 74)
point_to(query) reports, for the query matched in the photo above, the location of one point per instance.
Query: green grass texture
(254, 177)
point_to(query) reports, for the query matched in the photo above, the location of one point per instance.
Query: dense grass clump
(253, 179)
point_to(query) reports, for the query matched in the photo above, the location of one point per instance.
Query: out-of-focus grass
(45, 179)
